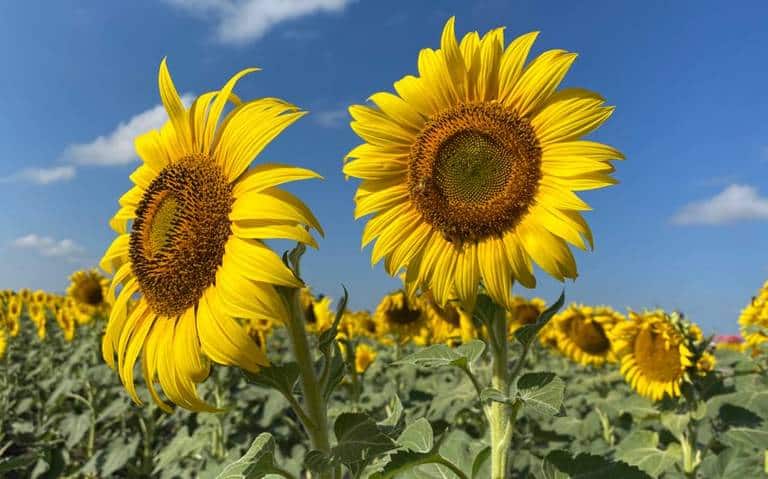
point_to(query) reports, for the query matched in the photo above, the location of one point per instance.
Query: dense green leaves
(641, 449)
(561, 465)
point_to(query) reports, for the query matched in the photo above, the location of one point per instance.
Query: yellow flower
(37, 314)
(194, 251)
(65, 318)
(3, 342)
(13, 315)
(753, 321)
(470, 169)
(583, 333)
(401, 319)
(25, 295)
(523, 311)
(358, 323)
(88, 290)
(449, 324)
(364, 357)
(317, 312)
(40, 297)
(657, 353)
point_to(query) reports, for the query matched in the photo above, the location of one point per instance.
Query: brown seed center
(178, 237)
(90, 292)
(588, 335)
(474, 170)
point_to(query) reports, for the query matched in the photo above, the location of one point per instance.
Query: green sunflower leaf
(560, 464)
(541, 392)
(641, 449)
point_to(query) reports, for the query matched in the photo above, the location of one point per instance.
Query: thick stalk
(498, 413)
(314, 402)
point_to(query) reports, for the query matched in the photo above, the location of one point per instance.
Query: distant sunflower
(26, 295)
(583, 333)
(194, 251)
(89, 291)
(37, 314)
(317, 311)
(13, 315)
(470, 169)
(399, 318)
(523, 311)
(357, 324)
(65, 317)
(753, 321)
(449, 324)
(40, 297)
(658, 352)
(3, 342)
(364, 357)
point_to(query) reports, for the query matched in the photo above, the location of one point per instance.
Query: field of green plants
(64, 413)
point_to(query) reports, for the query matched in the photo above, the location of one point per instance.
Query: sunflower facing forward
(190, 242)
(470, 169)
(401, 319)
(88, 290)
(659, 352)
(753, 321)
(583, 333)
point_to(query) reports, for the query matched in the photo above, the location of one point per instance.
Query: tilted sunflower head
(3, 342)
(358, 323)
(318, 313)
(401, 319)
(365, 355)
(753, 322)
(449, 323)
(582, 333)
(470, 169)
(659, 353)
(190, 242)
(65, 318)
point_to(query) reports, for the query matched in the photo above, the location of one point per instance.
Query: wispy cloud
(49, 247)
(116, 147)
(241, 21)
(735, 203)
(330, 118)
(41, 176)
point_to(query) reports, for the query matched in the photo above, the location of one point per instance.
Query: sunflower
(40, 297)
(37, 314)
(3, 342)
(13, 315)
(26, 295)
(402, 319)
(583, 333)
(364, 357)
(190, 242)
(753, 321)
(65, 317)
(317, 311)
(355, 324)
(89, 290)
(659, 352)
(470, 169)
(449, 324)
(523, 311)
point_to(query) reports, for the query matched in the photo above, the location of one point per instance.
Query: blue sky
(686, 228)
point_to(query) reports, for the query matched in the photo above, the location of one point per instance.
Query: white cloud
(42, 176)
(116, 148)
(240, 21)
(47, 246)
(330, 118)
(734, 203)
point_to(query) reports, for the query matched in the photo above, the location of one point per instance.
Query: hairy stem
(498, 413)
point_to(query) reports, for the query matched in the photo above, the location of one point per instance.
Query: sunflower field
(197, 349)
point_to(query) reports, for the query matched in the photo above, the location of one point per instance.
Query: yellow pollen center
(658, 359)
(474, 171)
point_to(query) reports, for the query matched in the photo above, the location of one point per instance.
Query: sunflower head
(3, 342)
(88, 289)
(65, 318)
(190, 243)
(401, 319)
(523, 311)
(318, 313)
(582, 333)
(364, 357)
(355, 324)
(25, 294)
(659, 353)
(753, 322)
(450, 324)
(470, 169)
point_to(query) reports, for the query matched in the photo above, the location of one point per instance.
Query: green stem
(499, 413)
(445, 462)
(475, 382)
(314, 402)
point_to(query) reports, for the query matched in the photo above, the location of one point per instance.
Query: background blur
(685, 229)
